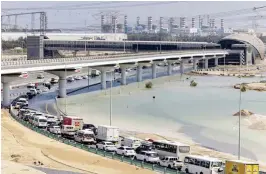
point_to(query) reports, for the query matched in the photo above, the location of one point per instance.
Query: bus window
(184, 149)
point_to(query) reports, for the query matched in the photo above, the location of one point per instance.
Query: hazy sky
(66, 18)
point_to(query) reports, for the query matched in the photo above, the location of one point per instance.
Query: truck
(95, 72)
(241, 167)
(131, 142)
(70, 125)
(107, 133)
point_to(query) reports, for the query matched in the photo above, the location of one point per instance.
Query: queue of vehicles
(165, 153)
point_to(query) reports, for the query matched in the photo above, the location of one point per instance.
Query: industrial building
(68, 36)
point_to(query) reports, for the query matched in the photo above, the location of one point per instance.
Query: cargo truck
(70, 125)
(241, 167)
(107, 133)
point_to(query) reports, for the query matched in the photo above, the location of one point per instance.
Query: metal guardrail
(78, 59)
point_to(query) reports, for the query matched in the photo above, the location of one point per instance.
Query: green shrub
(243, 88)
(148, 85)
(193, 83)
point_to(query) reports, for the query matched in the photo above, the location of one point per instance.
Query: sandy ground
(10, 167)
(24, 146)
(253, 86)
(137, 87)
(232, 70)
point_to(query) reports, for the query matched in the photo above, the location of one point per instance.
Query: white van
(202, 164)
(51, 119)
(131, 142)
(40, 121)
(24, 101)
(85, 136)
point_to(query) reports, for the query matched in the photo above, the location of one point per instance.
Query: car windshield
(128, 148)
(109, 144)
(89, 135)
(217, 164)
(56, 127)
(42, 120)
(152, 154)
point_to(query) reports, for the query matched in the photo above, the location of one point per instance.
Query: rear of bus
(182, 152)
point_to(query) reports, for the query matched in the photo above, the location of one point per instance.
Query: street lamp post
(111, 98)
(240, 99)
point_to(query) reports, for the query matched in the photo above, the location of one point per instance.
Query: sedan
(85, 77)
(70, 79)
(78, 78)
(126, 151)
(105, 145)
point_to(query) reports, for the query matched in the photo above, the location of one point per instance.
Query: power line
(232, 12)
(56, 7)
(94, 6)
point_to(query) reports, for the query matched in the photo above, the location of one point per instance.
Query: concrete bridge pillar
(6, 79)
(62, 74)
(153, 70)
(103, 70)
(195, 64)
(6, 93)
(206, 66)
(124, 67)
(103, 79)
(139, 73)
(216, 61)
(169, 68)
(62, 86)
(181, 67)
(123, 76)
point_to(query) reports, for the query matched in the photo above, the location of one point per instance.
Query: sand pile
(257, 122)
(9, 167)
(260, 125)
(244, 112)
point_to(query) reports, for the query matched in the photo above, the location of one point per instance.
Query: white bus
(202, 164)
(171, 148)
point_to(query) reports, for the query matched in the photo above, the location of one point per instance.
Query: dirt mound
(244, 112)
(260, 125)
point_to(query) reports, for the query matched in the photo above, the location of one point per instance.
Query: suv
(171, 162)
(90, 126)
(145, 146)
(40, 76)
(148, 156)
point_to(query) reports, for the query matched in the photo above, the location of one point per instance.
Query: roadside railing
(77, 59)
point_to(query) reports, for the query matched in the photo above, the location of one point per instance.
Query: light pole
(240, 98)
(65, 89)
(224, 65)
(111, 98)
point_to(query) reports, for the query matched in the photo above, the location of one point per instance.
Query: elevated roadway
(64, 63)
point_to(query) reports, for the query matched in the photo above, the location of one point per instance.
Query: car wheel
(186, 171)
(145, 161)
(169, 166)
(201, 172)
(104, 148)
(97, 147)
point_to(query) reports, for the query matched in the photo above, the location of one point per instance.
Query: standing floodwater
(203, 112)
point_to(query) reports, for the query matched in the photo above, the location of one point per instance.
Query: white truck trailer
(107, 133)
